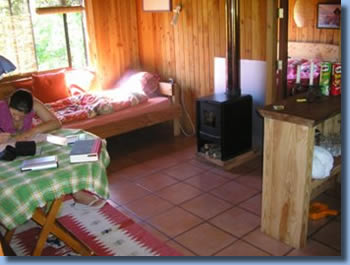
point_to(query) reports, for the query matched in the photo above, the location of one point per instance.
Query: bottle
(313, 92)
(297, 86)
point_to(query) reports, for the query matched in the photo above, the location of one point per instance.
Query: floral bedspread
(88, 105)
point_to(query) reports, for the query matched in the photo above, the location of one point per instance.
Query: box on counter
(325, 77)
(336, 79)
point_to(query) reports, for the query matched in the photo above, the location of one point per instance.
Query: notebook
(85, 150)
(54, 139)
(71, 139)
(44, 162)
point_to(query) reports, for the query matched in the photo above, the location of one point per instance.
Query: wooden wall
(114, 47)
(184, 52)
(310, 33)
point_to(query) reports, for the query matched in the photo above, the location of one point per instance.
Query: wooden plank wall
(310, 33)
(126, 37)
(114, 47)
(186, 51)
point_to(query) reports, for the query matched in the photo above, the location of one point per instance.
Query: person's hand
(24, 136)
(4, 137)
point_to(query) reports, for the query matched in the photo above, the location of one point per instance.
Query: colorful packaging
(325, 77)
(336, 79)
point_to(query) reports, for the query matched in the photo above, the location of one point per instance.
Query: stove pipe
(233, 84)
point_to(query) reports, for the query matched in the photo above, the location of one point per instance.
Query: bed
(303, 53)
(141, 100)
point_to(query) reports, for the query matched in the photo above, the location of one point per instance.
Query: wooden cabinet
(288, 152)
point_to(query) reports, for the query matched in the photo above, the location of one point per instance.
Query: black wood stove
(224, 121)
(224, 125)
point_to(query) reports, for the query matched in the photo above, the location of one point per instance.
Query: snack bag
(336, 79)
(325, 77)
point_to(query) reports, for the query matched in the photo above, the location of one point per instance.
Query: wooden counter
(304, 113)
(288, 151)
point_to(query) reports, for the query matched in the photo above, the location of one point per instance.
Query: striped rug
(107, 232)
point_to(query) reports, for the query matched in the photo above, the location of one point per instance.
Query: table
(288, 186)
(24, 194)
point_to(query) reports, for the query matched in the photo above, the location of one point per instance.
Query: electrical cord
(182, 103)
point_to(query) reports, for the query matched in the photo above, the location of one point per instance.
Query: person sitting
(17, 114)
(16, 123)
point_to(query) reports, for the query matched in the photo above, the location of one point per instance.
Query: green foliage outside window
(38, 42)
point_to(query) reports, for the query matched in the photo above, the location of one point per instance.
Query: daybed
(141, 100)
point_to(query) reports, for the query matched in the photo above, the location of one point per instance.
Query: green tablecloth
(22, 192)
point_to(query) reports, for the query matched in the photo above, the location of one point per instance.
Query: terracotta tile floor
(198, 208)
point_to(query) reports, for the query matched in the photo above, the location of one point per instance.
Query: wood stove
(224, 121)
(224, 125)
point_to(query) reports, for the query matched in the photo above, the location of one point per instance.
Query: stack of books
(85, 150)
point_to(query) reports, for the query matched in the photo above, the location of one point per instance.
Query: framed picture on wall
(156, 5)
(328, 16)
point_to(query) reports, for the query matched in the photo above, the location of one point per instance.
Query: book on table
(85, 150)
(39, 163)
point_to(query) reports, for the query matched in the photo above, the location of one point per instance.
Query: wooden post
(271, 51)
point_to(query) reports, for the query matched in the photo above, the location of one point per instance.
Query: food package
(325, 77)
(336, 79)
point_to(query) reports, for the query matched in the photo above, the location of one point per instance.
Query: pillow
(50, 87)
(79, 80)
(149, 82)
(145, 81)
(125, 77)
(27, 84)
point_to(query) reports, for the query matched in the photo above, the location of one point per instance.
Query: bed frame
(144, 119)
(140, 120)
(310, 50)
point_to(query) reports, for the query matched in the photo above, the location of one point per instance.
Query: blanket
(88, 105)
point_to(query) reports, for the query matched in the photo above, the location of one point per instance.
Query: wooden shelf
(288, 187)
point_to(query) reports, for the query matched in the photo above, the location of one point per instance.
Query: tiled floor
(197, 208)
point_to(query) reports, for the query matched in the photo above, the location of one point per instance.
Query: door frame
(277, 29)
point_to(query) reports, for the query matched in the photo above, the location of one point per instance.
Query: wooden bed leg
(176, 126)
(176, 100)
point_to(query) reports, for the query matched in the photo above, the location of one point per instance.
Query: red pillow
(27, 84)
(50, 87)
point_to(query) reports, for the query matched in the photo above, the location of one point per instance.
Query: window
(36, 42)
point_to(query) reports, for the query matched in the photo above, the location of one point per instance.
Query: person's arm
(4, 137)
(49, 121)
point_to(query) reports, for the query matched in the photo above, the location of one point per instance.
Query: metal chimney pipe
(233, 84)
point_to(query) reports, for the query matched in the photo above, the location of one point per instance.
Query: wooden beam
(58, 10)
(283, 51)
(271, 51)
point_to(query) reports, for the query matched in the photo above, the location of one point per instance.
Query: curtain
(16, 35)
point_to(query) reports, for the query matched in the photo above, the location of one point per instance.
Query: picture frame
(156, 5)
(328, 16)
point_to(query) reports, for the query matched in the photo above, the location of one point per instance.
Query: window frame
(55, 10)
